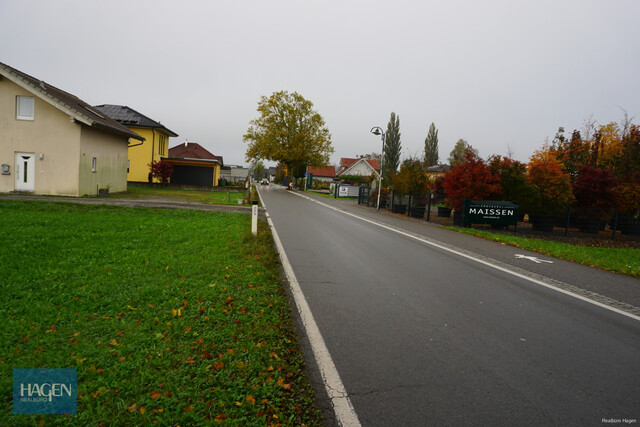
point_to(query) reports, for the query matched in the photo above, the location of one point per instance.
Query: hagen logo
(45, 391)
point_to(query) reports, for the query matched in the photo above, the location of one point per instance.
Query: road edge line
(342, 407)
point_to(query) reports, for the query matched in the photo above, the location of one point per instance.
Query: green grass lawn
(172, 317)
(207, 197)
(618, 260)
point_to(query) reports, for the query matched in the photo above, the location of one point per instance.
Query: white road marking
(533, 258)
(478, 260)
(342, 407)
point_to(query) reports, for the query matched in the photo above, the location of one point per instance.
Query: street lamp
(378, 131)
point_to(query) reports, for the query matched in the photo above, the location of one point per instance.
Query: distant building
(436, 171)
(270, 173)
(194, 165)
(362, 167)
(322, 173)
(235, 174)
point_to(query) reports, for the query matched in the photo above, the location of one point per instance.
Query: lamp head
(376, 131)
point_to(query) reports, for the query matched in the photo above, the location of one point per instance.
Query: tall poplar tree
(392, 148)
(431, 147)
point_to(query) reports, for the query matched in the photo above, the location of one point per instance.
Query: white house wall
(360, 168)
(63, 149)
(51, 136)
(110, 152)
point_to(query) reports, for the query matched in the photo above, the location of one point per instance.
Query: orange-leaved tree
(550, 186)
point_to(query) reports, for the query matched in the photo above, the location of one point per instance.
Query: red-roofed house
(194, 165)
(362, 167)
(322, 173)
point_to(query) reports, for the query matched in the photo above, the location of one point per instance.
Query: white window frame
(21, 114)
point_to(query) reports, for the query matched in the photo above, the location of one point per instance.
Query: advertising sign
(490, 212)
(45, 391)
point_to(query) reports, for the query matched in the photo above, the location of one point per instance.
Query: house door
(25, 174)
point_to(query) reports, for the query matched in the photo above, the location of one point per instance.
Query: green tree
(513, 178)
(257, 169)
(392, 148)
(459, 153)
(431, 147)
(289, 131)
(411, 179)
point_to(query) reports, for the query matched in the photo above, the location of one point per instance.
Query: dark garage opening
(192, 175)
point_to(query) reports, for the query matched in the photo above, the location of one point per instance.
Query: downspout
(153, 146)
(135, 145)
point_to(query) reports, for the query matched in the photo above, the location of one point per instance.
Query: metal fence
(570, 223)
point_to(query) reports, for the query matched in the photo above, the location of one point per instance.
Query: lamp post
(378, 131)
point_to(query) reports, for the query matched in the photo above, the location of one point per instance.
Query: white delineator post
(254, 218)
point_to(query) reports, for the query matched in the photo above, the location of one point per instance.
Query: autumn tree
(459, 153)
(471, 179)
(513, 178)
(550, 186)
(411, 178)
(628, 169)
(392, 148)
(593, 190)
(431, 147)
(288, 131)
(572, 153)
(161, 170)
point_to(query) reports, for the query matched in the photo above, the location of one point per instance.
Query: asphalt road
(421, 335)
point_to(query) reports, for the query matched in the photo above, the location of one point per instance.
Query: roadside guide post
(254, 217)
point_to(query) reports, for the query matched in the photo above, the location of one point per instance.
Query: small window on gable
(24, 107)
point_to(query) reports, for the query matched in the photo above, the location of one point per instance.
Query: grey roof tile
(131, 118)
(67, 102)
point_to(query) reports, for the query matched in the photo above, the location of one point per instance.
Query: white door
(25, 174)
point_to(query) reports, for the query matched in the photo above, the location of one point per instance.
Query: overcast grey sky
(504, 75)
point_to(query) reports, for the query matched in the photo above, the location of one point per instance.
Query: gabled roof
(439, 168)
(347, 163)
(69, 104)
(193, 150)
(131, 118)
(322, 171)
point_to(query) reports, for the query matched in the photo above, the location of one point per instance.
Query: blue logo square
(45, 391)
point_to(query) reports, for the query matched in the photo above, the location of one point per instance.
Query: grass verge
(206, 197)
(618, 260)
(171, 317)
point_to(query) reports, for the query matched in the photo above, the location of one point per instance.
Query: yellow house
(154, 148)
(52, 142)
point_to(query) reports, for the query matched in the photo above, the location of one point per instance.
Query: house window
(128, 165)
(162, 150)
(94, 162)
(24, 107)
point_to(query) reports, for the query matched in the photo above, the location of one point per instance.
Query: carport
(194, 171)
